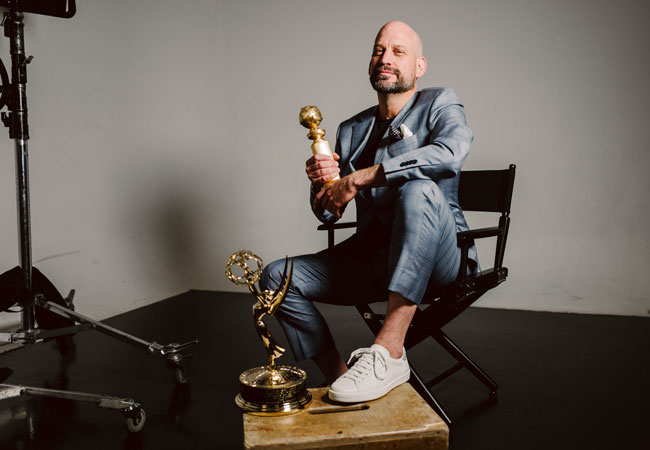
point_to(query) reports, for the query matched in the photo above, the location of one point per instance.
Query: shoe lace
(367, 361)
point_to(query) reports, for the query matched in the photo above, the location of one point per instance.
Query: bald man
(399, 161)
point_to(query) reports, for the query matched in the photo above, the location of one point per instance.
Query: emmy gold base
(273, 391)
(273, 410)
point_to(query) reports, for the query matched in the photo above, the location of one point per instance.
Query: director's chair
(479, 190)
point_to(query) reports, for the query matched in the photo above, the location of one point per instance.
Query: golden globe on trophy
(270, 389)
(310, 117)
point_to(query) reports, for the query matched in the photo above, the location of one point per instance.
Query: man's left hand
(336, 196)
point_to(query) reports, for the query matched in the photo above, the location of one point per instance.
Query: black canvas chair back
(480, 190)
(488, 191)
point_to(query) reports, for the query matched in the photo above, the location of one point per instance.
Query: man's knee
(302, 280)
(415, 193)
(272, 275)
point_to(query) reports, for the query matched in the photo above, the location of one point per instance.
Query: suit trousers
(413, 254)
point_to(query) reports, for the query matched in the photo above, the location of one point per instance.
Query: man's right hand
(322, 168)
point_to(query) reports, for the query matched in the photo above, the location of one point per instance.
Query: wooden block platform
(399, 420)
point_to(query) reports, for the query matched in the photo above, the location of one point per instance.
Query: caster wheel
(135, 424)
(179, 374)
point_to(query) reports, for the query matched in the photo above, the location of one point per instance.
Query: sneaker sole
(355, 397)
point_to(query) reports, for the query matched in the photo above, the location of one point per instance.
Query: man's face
(394, 62)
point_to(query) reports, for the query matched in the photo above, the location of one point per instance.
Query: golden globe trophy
(271, 389)
(310, 117)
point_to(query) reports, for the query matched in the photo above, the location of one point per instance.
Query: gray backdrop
(165, 136)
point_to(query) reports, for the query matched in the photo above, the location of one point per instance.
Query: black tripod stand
(35, 304)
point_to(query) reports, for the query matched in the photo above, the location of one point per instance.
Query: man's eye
(377, 52)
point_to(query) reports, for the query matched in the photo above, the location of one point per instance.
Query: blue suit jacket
(436, 151)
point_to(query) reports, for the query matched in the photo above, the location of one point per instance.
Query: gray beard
(396, 87)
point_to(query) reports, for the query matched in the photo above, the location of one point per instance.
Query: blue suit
(406, 231)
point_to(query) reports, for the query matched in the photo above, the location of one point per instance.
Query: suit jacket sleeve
(447, 145)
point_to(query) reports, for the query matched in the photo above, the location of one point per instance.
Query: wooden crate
(399, 420)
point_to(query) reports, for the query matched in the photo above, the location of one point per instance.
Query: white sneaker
(373, 375)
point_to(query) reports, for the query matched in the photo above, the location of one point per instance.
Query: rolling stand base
(174, 354)
(135, 416)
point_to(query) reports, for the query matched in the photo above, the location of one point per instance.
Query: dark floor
(566, 381)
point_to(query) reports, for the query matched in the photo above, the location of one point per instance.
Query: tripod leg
(172, 352)
(135, 415)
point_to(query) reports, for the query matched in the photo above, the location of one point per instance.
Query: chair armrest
(336, 226)
(466, 240)
(463, 236)
(469, 235)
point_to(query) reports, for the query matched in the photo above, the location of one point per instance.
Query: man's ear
(420, 67)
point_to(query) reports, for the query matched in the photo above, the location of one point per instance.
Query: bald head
(397, 27)
(397, 60)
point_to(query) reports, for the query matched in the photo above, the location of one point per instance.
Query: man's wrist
(369, 177)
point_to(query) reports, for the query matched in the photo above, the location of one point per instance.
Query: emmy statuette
(270, 389)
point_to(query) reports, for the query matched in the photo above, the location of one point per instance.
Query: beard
(380, 84)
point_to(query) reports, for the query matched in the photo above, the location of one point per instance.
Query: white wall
(164, 136)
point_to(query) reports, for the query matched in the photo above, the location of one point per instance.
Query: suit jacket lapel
(397, 121)
(360, 133)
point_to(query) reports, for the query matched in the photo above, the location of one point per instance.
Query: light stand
(15, 97)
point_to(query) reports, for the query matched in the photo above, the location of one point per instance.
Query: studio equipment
(45, 314)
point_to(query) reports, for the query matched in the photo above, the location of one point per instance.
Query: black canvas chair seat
(481, 190)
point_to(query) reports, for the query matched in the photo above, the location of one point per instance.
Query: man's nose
(386, 59)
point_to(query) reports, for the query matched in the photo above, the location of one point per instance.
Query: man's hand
(336, 196)
(321, 168)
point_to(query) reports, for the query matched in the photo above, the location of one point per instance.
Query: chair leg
(462, 358)
(415, 379)
(420, 388)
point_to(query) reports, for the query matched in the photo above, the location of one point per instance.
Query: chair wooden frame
(479, 190)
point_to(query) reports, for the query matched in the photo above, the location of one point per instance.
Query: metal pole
(19, 132)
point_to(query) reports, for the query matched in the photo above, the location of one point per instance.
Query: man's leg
(399, 314)
(343, 275)
(423, 252)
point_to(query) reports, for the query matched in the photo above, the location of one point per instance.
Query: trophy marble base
(273, 391)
